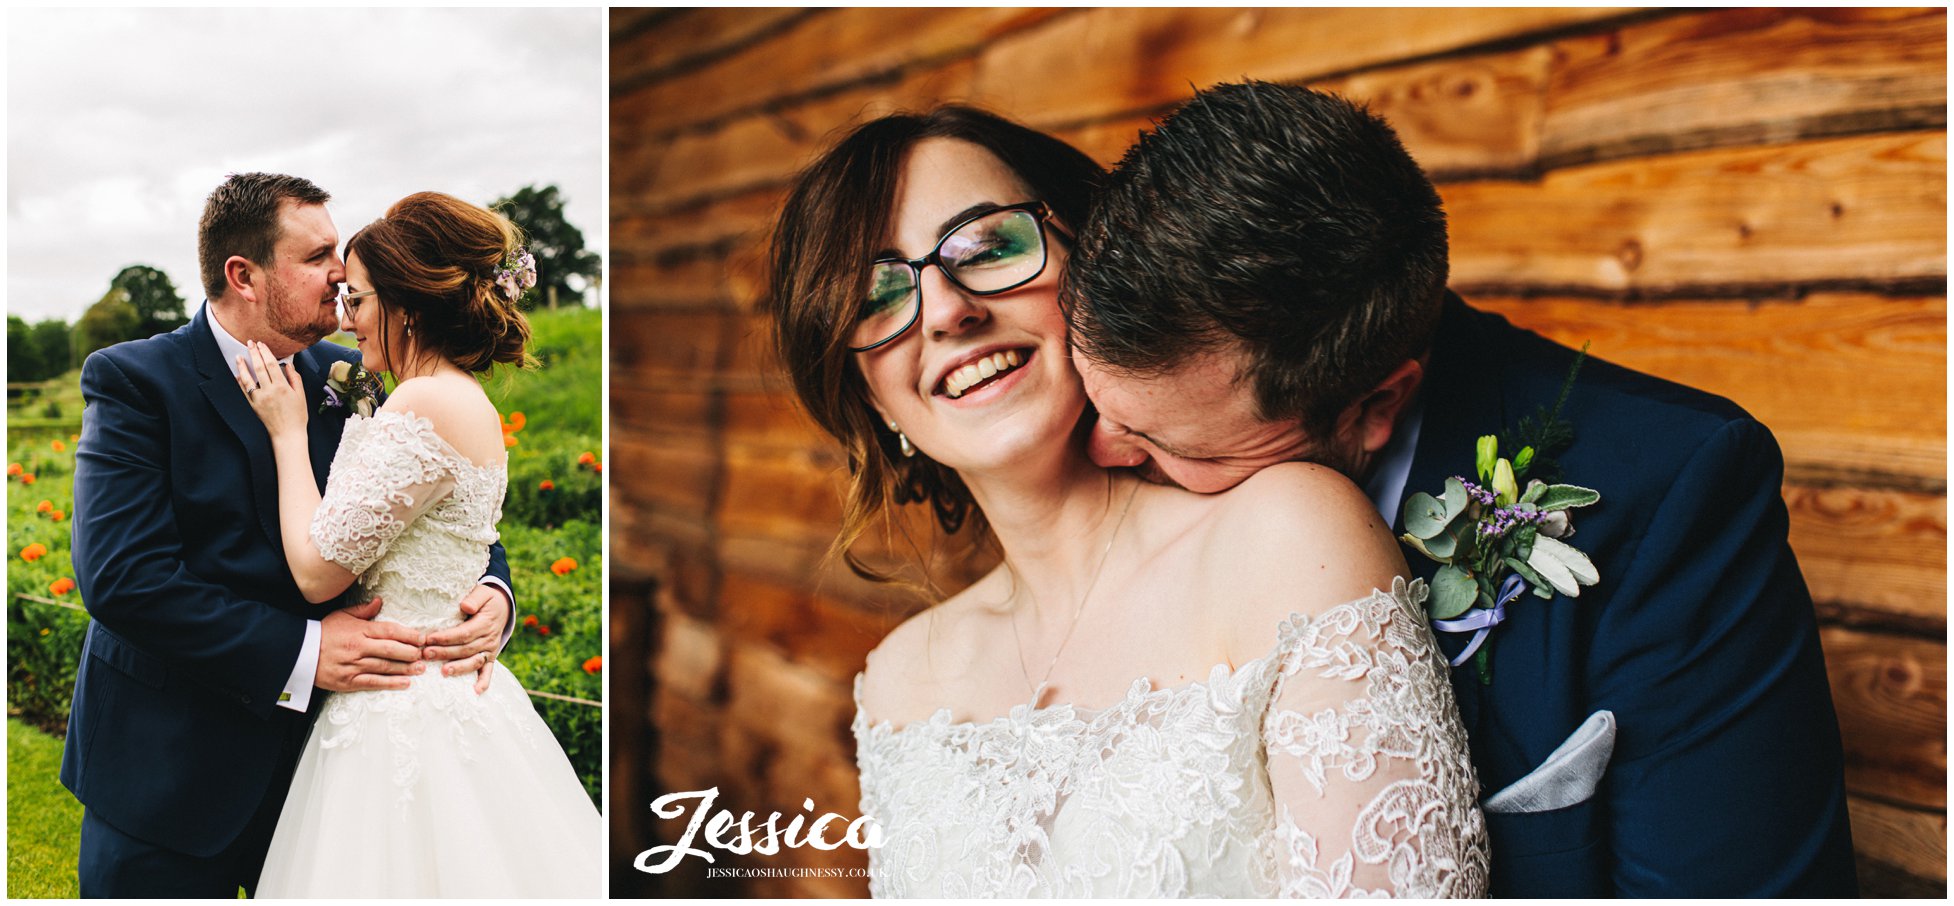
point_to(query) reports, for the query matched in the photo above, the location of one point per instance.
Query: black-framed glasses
(993, 252)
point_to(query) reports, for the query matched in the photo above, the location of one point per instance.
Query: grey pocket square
(1568, 776)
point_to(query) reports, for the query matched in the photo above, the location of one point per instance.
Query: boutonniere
(1498, 538)
(350, 388)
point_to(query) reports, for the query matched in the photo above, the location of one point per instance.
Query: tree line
(142, 301)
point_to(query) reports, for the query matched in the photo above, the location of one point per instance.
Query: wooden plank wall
(1748, 201)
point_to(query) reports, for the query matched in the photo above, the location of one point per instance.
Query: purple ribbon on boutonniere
(1480, 622)
(332, 398)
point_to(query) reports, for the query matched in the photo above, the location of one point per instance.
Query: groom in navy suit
(198, 676)
(1263, 279)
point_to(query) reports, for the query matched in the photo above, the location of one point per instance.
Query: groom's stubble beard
(279, 320)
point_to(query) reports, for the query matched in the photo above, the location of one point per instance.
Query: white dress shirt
(1386, 484)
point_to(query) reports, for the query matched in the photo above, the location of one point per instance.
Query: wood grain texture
(689, 37)
(1744, 76)
(1105, 63)
(1910, 840)
(1891, 696)
(1872, 557)
(1869, 210)
(836, 49)
(1851, 383)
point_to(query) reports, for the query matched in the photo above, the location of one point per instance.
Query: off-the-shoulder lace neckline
(1138, 693)
(421, 424)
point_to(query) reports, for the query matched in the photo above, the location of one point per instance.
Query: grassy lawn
(43, 820)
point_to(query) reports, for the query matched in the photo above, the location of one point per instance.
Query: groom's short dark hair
(1290, 220)
(241, 218)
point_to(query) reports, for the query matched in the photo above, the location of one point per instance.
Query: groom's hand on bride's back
(358, 653)
(470, 647)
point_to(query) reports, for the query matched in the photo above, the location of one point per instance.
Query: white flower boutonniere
(1498, 540)
(351, 388)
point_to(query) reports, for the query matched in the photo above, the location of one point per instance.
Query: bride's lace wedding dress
(1335, 765)
(431, 790)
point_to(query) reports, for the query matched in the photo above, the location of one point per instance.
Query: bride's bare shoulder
(909, 674)
(1297, 538)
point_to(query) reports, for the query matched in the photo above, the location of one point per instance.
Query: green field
(559, 612)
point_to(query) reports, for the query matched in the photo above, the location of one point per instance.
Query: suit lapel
(1464, 400)
(220, 388)
(322, 429)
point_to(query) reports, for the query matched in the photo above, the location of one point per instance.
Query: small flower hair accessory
(516, 274)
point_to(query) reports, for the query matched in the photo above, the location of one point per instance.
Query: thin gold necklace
(1090, 585)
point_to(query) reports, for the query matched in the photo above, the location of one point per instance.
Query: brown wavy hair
(830, 228)
(433, 258)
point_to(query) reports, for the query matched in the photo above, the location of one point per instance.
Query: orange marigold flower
(597, 467)
(586, 458)
(57, 515)
(33, 552)
(44, 506)
(547, 485)
(27, 478)
(595, 664)
(542, 630)
(508, 440)
(563, 567)
(14, 469)
(62, 586)
(529, 621)
(517, 419)
(59, 446)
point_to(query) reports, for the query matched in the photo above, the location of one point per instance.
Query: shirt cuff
(298, 690)
(509, 626)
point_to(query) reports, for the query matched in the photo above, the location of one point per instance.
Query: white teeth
(983, 369)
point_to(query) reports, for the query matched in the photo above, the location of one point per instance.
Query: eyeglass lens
(991, 254)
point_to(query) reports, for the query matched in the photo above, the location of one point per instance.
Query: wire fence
(22, 596)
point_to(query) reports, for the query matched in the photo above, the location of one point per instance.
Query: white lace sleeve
(389, 469)
(1374, 788)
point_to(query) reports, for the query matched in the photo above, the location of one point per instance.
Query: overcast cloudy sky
(120, 122)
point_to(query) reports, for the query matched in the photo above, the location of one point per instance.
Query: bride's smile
(979, 377)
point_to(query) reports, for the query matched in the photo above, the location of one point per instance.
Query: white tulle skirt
(433, 791)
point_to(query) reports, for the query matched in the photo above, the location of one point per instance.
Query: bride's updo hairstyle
(833, 224)
(435, 260)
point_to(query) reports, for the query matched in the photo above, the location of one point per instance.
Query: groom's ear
(241, 277)
(1374, 417)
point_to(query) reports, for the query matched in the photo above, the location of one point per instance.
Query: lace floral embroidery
(1335, 765)
(415, 519)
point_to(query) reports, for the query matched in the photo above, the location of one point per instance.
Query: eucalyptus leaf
(1455, 497)
(1424, 516)
(1452, 593)
(1419, 545)
(1563, 496)
(1442, 546)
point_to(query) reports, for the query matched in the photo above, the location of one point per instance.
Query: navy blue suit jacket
(175, 735)
(1727, 775)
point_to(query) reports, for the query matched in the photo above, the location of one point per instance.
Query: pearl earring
(902, 440)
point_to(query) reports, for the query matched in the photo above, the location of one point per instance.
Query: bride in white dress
(1157, 693)
(452, 786)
